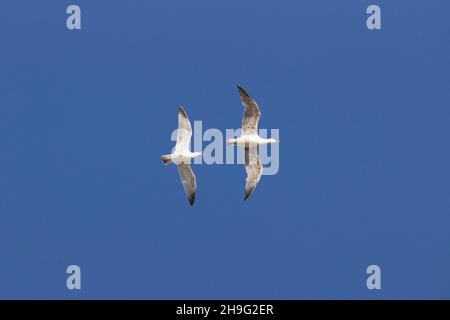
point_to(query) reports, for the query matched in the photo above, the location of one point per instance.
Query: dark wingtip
(181, 109)
(192, 200)
(242, 91)
(248, 193)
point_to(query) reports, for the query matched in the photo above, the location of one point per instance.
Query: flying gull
(250, 141)
(182, 156)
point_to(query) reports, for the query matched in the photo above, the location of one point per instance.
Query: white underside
(184, 157)
(246, 139)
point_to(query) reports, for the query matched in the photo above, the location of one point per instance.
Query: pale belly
(180, 158)
(248, 140)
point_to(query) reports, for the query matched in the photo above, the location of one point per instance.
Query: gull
(250, 141)
(182, 155)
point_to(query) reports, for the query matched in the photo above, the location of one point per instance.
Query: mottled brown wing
(184, 131)
(254, 169)
(189, 182)
(251, 112)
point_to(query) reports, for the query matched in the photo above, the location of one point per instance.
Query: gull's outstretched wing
(254, 169)
(189, 182)
(251, 112)
(184, 131)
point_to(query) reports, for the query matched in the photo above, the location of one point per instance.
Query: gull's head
(272, 140)
(196, 154)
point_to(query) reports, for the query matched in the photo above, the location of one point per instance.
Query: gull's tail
(166, 158)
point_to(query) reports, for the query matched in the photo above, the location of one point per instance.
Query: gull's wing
(189, 182)
(251, 113)
(254, 169)
(184, 131)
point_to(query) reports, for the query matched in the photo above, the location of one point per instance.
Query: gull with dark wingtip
(182, 156)
(250, 141)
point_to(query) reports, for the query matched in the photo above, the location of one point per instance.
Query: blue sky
(363, 118)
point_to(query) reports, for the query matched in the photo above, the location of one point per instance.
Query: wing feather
(253, 167)
(251, 112)
(187, 177)
(184, 132)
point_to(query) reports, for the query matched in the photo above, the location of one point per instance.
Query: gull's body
(182, 156)
(250, 140)
(244, 140)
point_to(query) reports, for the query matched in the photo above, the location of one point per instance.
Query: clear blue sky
(364, 129)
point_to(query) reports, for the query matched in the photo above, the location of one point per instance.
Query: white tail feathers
(166, 158)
